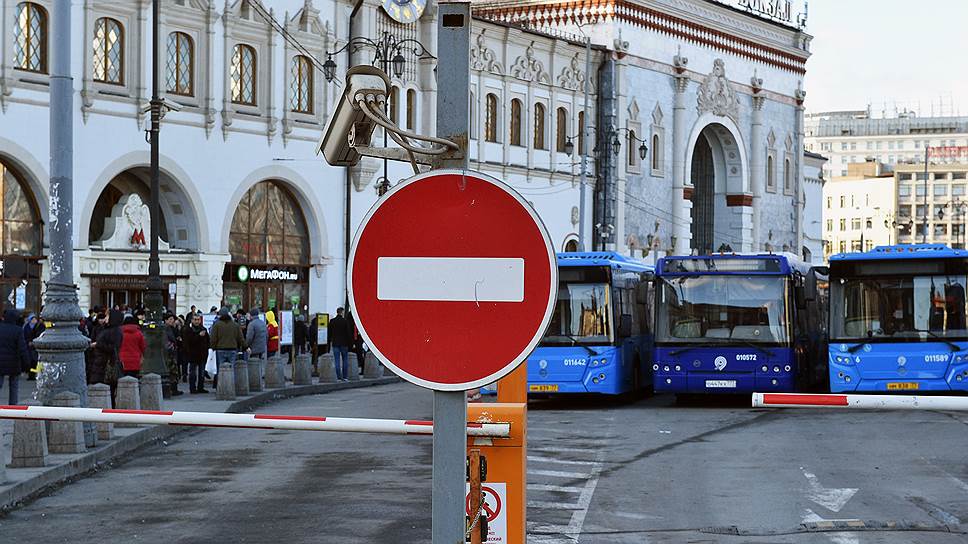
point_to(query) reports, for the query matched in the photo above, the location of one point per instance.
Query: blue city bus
(897, 319)
(599, 339)
(733, 323)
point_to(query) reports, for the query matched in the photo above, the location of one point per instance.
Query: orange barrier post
(514, 386)
(504, 490)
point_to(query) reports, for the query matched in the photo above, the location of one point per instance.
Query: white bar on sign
(450, 279)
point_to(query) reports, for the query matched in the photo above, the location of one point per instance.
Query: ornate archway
(21, 241)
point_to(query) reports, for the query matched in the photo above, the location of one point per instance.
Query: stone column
(327, 368)
(129, 397)
(757, 160)
(371, 366)
(799, 95)
(151, 392)
(302, 372)
(255, 373)
(29, 442)
(66, 436)
(99, 396)
(272, 373)
(61, 347)
(226, 382)
(241, 369)
(680, 206)
(354, 367)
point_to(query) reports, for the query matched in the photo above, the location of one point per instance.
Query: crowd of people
(192, 351)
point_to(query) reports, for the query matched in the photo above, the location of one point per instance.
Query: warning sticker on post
(495, 501)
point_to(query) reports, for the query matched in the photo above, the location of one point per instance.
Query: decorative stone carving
(657, 115)
(572, 77)
(529, 68)
(716, 95)
(679, 64)
(129, 226)
(483, 58)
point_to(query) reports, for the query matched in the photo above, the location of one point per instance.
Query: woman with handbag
(106, 364)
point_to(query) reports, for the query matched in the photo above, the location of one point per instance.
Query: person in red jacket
(132, 346)
(272, 329)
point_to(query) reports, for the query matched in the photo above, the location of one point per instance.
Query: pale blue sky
(887, 51)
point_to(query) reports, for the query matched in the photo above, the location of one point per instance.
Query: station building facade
(251, 216)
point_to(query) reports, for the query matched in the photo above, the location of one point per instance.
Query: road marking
(585, 499)
(541, 459)
(558, 473)
(836, 538)
(561, 449)
(935, 511)
(954, 479)
(833, 498)
(559, 488)
(553, 505)
(633, 515)
(452, 279)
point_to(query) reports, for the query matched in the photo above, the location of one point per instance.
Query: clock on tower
(404, 11)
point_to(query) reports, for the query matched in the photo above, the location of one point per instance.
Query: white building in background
(242, 186)
(859, 210)
(851, 137)
(813, 184)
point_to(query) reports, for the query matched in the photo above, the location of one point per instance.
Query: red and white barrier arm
(244, 421)
(862, 402)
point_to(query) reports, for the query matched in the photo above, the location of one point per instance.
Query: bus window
(581, 315)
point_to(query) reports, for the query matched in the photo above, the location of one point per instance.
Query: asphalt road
(647, 471)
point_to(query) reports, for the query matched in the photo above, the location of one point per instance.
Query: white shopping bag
(210, 365)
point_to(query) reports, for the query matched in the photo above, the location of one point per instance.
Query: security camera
(349, 126)
(169, 105)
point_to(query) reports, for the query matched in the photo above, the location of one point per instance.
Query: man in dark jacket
(300, 332)
(340, 340)
(171, 353)
(13, 354)
(226, 338)
(195, 340)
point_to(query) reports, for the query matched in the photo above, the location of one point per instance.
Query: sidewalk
(24, 483)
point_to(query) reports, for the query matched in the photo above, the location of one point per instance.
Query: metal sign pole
(450, 408)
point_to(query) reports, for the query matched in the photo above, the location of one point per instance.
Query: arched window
(411, 109)
(581, 133)
(515, 122)
(490, 118)
(562, 130)
(770, 173)
(539, 126)
(243, 74)
(394, 103)
(787, 176)
(571, 246)
(181, 64)
(30, 37)
(19, 217)
(108, 51)
(301, 85)
(656, 152)
(269, 227)
(631, 149)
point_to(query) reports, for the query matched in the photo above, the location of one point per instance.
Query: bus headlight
(787, 368)
(678, 368)
(776, 369)
(655, 367)
(765, 368)
(666, 368)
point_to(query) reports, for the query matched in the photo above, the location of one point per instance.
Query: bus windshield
(914, 308)
(723, 309)
(581, 315)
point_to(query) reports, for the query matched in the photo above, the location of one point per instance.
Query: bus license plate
(902, 386)
(721, 384)
(543, 388)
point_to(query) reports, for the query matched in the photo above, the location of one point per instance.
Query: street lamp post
(611, 144)
(61, 347)
(154, 358)
(388, 52)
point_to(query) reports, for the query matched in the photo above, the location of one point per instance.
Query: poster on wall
(285, 328)
(322, 329)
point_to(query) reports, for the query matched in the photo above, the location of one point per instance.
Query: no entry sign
(452, 279)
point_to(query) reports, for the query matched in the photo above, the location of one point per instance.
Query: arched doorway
(121, 224)
(571, 245)
(718, 184)
(21, 242)
(269, 245)
(703, 197)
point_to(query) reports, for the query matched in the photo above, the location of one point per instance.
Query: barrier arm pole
(859, 402)
(450, 407)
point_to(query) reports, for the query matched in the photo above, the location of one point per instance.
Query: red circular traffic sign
(452, 279)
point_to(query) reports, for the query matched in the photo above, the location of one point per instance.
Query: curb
(56, 475)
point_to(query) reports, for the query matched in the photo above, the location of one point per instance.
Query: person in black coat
(106, 347)
(14, 358)
(300, 333)
(195, 342)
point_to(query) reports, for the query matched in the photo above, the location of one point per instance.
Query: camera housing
(349, 126)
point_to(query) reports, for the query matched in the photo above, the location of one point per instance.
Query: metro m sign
(452, 279)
